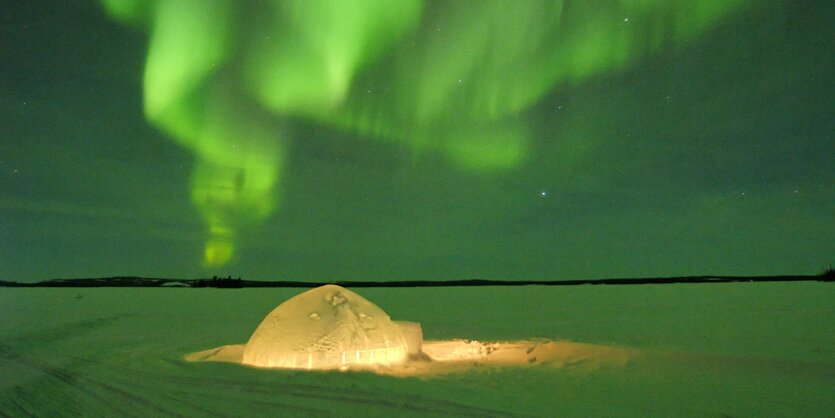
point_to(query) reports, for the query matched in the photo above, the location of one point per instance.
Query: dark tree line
(224, 282)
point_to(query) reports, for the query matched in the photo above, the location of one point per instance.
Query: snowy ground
(765, 349)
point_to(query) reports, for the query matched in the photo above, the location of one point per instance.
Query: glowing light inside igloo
(328, 327)
(333, 328)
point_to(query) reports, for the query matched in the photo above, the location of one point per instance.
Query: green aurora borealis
(381, 140)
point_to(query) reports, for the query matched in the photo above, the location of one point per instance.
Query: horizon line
(229, 282)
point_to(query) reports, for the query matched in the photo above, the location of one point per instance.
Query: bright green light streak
(129, 11)
(471, 64)
(190, 41)
(451, 77)
(189, 96)
(306, 52)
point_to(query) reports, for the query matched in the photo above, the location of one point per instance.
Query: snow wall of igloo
(330, 327)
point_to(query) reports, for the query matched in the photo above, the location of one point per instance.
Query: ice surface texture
(327, 327)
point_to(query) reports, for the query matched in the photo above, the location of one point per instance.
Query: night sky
(324, 141)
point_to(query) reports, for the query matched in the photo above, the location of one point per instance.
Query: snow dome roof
(326, 328)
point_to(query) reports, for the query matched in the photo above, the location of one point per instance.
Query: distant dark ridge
(825, 276)
(96, 282)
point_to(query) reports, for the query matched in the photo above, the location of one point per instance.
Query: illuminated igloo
(330, 327)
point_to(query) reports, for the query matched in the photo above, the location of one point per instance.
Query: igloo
(330, 327)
